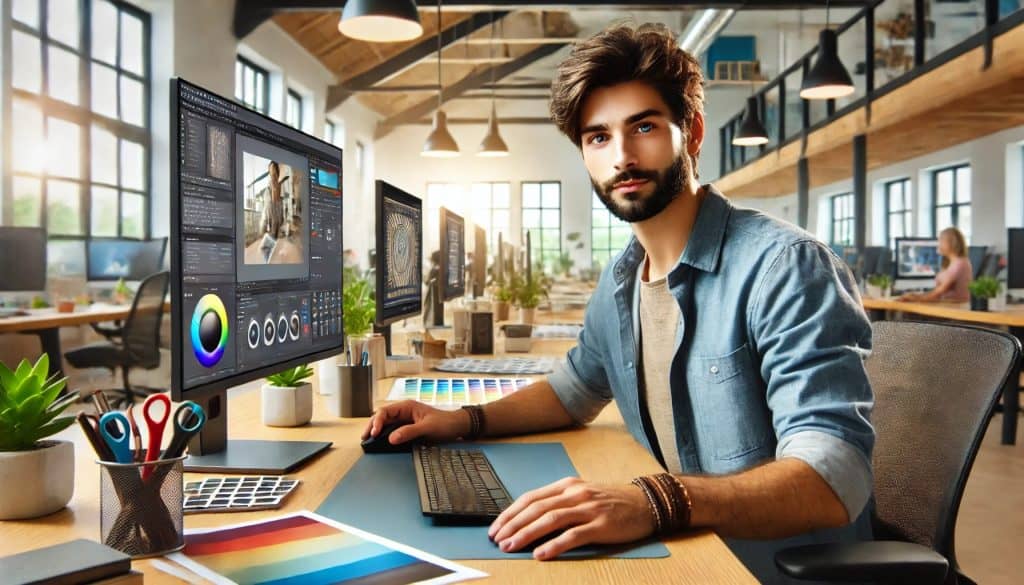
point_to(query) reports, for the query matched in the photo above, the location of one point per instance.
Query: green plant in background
(291, 378)
(530, 291)
(504, 290)
(29, 405)
(39, 302)
(565, 263)
(122, 289)
(357, 302)
(985, 287)
(882, 281)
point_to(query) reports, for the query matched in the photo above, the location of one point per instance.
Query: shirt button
(629, 365)
(714, 369)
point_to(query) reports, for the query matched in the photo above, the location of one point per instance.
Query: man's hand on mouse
(423, 421)
(587, 513)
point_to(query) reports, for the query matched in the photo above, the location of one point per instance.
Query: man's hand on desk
(587, 513)
(422, 422)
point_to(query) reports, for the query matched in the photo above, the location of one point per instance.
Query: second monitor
(399, 260)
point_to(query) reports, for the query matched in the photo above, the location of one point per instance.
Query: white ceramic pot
(287, 407)
(527, 315)
(37, 482)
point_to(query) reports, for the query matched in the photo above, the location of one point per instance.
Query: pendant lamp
(492, 144)
(440, 143)
(752, 132)
(380, 21)
(828, 78)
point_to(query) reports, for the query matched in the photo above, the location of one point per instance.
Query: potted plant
(37, 476)
(504, 293)
(288, 398)
(122, 294)
(358, 313)
(529, 294)
(879, 285)
(982, 289)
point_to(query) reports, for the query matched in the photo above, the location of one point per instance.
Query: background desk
(603, 452)
(46, 323)
(1012, 317)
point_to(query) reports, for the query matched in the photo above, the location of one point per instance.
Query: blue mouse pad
(379, 495)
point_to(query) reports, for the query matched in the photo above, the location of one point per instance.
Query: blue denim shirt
(768, 363)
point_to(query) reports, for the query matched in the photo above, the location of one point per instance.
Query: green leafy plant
(504, 290)
(565, 263)
(882, 281)
(39, 303)
(530, 291)
(291, 378)
(30, 405)
(121, 288)
(357, 302)
(985, 287)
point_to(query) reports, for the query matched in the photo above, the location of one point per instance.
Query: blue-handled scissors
(120, 444)
(188, 419)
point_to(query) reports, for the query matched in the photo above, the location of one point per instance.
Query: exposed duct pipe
(703, 29)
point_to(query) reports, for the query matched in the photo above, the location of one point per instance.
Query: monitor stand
(211, 452)
(385, 332)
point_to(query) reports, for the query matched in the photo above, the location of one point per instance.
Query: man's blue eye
(597, 138)
(645, 127)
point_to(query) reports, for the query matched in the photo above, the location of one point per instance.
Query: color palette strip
(455, 392)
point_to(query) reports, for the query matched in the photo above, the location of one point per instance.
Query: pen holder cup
(142, 517)
(354, 397)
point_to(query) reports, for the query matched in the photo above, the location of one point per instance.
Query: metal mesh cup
(142, 517)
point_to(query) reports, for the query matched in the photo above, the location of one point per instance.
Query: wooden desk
(604, 451)
(1012, 317)
(46, 324)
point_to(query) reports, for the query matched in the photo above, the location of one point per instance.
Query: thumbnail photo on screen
(273, 211)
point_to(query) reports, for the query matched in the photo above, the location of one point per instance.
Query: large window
(608, 234)
(491, 203)
(898, 211)
(79, 141)
(252, 85)
(293, 110)
(542, 217)
(843, 220)
(951, 194)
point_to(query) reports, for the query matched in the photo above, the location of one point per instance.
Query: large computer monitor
(256, 264)
(399, 258)
(114, 258)
(453, 255)
(479, 268)
(917, 258)
(22, 259)
(1015, 258)
(978, 255)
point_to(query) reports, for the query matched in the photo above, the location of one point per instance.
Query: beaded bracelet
(476, 421)
(669, 501)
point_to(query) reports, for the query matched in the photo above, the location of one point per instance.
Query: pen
(366, 358)
(98, 444)
(349, 353)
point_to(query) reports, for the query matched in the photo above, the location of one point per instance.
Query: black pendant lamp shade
(381, 21)
(827, 79)
(752, 132)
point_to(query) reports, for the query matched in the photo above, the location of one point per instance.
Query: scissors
(155, 427)
(188, 419)
(120, 445)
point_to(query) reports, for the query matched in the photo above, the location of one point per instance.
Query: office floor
(991, 516)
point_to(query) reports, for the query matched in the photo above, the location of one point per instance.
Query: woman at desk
(951, 282)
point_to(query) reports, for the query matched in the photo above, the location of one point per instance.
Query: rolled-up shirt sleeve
(581, 382)
(813, 336)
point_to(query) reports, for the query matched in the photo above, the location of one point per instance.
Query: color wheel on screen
(209, 330)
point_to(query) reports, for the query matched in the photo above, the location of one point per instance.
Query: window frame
(295, 97)
(492, 233)
(956, 204)
(835, 221)
(537, 249)
(907, 211)
(84, 117)
(257, 72)
(596, 205)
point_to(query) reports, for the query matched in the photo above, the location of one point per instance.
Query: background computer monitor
(22, 259)
(114, 258)
(452, 272)
(399, 261)
(917, 258)
(479, 269)
(256, 263)
(978, 255)
(1015, 258)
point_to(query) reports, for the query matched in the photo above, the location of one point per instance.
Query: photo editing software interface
(401, 278)
(260, 240)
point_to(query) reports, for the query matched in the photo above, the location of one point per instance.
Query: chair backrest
(935, 387)
(141, 334)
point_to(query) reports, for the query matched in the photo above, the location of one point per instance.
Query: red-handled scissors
(155, 427)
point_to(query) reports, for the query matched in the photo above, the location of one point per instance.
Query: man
(736, 356)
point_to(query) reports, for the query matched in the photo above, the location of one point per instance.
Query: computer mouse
(380, 443)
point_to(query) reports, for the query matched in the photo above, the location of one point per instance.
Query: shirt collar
(703, 250)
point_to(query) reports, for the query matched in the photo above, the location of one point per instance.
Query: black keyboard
(458, 486)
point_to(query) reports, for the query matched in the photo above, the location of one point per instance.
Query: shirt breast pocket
(732, 413)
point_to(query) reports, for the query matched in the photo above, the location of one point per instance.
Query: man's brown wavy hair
(621, 53)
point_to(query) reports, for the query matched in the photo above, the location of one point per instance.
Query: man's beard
(668, 184)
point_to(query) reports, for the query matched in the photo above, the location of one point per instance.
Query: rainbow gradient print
(209, 302)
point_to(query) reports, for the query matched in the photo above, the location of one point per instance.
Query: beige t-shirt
(659, 320)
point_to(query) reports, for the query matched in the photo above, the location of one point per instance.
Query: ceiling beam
(336, 94)
(470, 82)
(504, 96)
(249, 14)
(484, 121)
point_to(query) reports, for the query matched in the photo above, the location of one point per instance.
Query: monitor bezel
(1010, 273)
(89, 277)
(214, 387)
(45, 241)
(896, 258)
(405, 310)
(450, 293)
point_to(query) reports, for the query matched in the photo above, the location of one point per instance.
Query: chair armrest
(108, 332)
(887, 561)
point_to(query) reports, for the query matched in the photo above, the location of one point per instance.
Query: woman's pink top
(959, 273)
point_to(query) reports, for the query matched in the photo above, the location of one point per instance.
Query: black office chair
(139, 343)
(935, 387)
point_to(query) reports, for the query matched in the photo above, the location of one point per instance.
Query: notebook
(76, 561)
